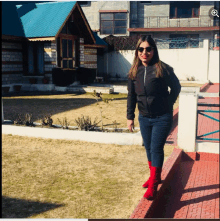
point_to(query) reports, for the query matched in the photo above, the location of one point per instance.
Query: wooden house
(37, 37)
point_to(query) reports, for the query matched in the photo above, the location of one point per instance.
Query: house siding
(90, 58)
(81, 48)
(140, 15)
(50, 57)
(11, 57)
(92, 12)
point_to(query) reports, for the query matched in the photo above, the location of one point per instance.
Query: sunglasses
(148, 49)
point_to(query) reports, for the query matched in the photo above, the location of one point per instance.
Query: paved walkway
(212, 88)
(193, 192)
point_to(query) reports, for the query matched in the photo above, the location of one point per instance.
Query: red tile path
(212, 88)
(190, 187)
(193, 192)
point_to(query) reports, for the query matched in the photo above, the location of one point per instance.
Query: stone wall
(12, 67)
(81, 50)
(50, 57)
(90, 58)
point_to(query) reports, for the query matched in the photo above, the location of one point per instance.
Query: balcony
(167, 22)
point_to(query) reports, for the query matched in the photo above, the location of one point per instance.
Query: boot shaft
(156, 173)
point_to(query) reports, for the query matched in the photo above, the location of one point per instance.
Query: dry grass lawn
(70, 106)
(44, 178)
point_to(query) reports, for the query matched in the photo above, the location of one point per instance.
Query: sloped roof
(43, 19)
(98, 40)
(37, 19)
(11, 24)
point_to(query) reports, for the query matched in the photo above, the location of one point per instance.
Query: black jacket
(153, 97)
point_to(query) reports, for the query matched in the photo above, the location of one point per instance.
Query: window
(68, 47)
(184, 41)
(184, 9)
(67, 53)
(36, 58)
(84, 3)
(113, 23)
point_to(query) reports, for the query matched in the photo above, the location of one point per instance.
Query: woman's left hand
(130, 124)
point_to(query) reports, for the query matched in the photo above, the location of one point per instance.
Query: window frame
(35, 53)
(113, 20)
(177, 5)
(74, 57)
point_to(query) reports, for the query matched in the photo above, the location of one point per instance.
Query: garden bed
(75, 128)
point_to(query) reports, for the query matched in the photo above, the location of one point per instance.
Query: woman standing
(148, 83)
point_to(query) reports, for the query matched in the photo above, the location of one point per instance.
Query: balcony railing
(167, 22)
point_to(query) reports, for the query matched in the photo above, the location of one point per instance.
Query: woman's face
(145, 56)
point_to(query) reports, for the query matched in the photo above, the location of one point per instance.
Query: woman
(148, 83)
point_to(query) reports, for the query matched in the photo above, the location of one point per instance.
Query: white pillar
(206, 56)
(187, 120)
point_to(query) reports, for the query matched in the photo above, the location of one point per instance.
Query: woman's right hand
(130, 124)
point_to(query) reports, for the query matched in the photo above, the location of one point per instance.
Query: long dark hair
(155, 59)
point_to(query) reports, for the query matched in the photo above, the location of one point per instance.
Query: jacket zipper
(145, 72)
(145, 75)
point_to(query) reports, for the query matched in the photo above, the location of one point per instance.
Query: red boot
(153, 183)
(146, 184)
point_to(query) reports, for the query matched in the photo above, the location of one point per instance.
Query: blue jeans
(154, 132)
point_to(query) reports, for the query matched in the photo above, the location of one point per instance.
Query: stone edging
(145, 208)
(89, 136)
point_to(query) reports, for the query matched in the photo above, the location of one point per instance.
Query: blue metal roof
(43, 19)
(37, 19)
(11, 24)
(98, 40)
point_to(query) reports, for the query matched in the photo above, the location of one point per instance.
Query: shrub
(65, 123)
(47, 120)
(85, 123)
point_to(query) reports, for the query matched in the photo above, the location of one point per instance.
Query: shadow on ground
(19, 208)
(41, 107)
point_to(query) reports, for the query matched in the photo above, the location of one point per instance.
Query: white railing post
(187, 120)
(206, 56)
